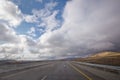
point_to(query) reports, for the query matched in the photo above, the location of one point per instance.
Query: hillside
(108, 58)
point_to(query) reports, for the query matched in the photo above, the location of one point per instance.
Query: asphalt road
(59, 70)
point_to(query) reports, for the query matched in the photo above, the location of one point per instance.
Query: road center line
(44, 78)
(80, 72)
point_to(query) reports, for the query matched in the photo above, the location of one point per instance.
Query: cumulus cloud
(92, 23)
(30, 18)
(45, 17)
(10, 42)
(10, 13)
(51, 22)
(31, 32)
(7, 34)
(13, 46)
(89, 26)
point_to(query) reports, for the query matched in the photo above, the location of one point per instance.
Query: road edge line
(86, 76)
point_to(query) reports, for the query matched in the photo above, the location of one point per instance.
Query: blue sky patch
(40, 23)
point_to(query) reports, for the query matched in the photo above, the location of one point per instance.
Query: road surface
(60, 70)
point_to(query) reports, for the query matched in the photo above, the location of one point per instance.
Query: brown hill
(108, 58)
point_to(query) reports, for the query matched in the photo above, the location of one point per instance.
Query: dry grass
(108, 58)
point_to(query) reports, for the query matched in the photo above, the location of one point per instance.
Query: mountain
(107, 58)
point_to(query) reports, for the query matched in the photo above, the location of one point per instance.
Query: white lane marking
(44, 78)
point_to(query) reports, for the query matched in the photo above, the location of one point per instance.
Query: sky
(58, 29)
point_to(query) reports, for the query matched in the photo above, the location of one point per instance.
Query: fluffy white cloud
(16, 50)
(10, 42)
(31, 32)
(51, 22)
(89, 26)
(30, 18)
(13, 46)
(45, 17)
(7, 34)
(10, 13)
